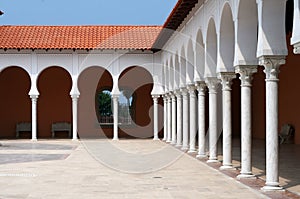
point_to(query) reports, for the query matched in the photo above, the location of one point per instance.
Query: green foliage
(104, 103)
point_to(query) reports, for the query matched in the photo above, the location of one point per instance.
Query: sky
(85, 12)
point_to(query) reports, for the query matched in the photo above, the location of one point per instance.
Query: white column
(246, 73)
(169, 133)
(272, 65)
(116, 116)
(226, 79)
(34, 99)
(165, 117)
(174, 118)
(179, 118)
(185, 119)
(212, 84)
(201, 87)
(75, 116)
(193, 118)
(155, 116)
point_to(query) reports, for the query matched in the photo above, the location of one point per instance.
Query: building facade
(213, 68)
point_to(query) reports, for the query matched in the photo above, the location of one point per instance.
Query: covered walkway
(93, 169)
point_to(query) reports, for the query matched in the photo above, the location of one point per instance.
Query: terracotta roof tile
(78, 37)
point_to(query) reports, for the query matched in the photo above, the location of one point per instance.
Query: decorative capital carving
(201, 87)
(272, 64)
(212, 84)
(246, 74)
(184, 92)
(226, 80)
(75, 96)
(297, 48)
(178, 94)
(34, 97)
(155, 96)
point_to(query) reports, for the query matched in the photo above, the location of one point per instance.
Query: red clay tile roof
(78, 37)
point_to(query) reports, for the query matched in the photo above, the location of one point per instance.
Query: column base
(34, 139)
(156, 139)
(164, 139)
(75, 140)
(184, 148)
(246, 176)
(192, 151)
(168, 141)
(201, 156)
(178, 145)
(115, 139)
(212, 161)
(173, 143)
(227, 167)
(272, 188)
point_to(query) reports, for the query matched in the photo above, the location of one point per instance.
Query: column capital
(246, 72)
(184, 91)
(212, 84)
(178, 93)
(75, 96)
(115, 96)
(34, 97)
(201, 87)
(191, 87)
(297, 48)
(271, 64)
(226, 80)
(155, 96)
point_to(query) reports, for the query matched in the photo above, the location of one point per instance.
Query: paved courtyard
(108, 169)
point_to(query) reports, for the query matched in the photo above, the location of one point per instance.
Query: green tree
(104, 103)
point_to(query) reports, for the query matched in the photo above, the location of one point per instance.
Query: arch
(211, 50)
(47, 67)
(15, 103)
(246, 33)
(139, 82)
(182, 68)
(92, 80)
(54, 103)
(226, 41)
(199, 57)
(190, 63)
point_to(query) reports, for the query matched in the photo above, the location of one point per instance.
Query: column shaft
(155, 117)
(185, 120)
(116, 116)
(173, 120)
(34, 117)
(193, 119)
(226, 78)
(212, 84)
(169, 133)
(165, 117)
(272, 65)
(75, 116)
(201, 87)
(246, 73)
(179, 119)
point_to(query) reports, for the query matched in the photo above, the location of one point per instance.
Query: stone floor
(125, 169)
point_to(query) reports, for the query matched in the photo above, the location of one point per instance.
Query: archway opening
(54, 103)
(15, 103)
(138, 83)
(95, 118)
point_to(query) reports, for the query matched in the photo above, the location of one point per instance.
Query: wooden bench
(61, 126)
(23, 127)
